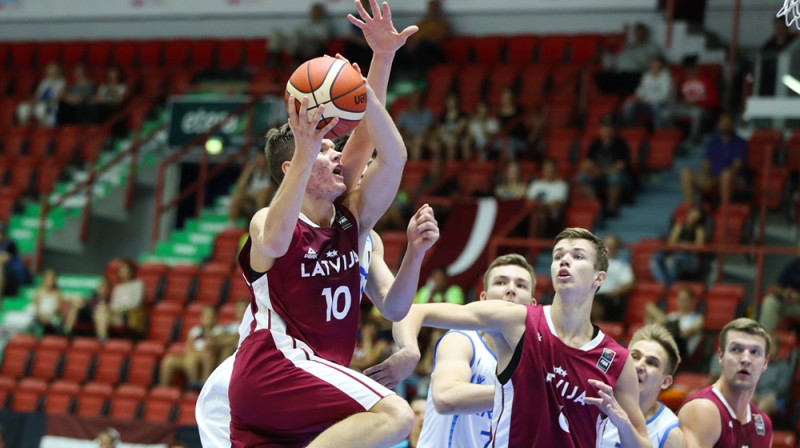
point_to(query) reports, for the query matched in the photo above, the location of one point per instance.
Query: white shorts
(213, 410)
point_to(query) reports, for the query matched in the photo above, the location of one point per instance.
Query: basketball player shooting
(546, 355)
(288, 386)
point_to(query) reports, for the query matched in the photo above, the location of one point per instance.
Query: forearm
(463, 398)
(278, 225)
(629, 437)
(402, 291)
(406, 331)
(382, 130)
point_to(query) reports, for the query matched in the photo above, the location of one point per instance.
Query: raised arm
(271, 228)
(384, 40)
(394, 296)
(450, 381)
(700, 422)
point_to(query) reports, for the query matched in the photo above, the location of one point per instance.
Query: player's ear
(482, 295)
(667, 382)
(285, 166)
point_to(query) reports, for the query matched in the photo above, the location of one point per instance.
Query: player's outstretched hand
(609, 405)
(395, 369)
(380, 33)
(423, 230)
(307, 138)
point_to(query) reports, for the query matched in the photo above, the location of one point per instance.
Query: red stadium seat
(66, 143)
(176, 53)
(476, 177)
(152, 274)
(560, 144)
(521, 48)
(394, 245)
(560, 113)
(17, 356)
(661, 152)
(583, 213)
(532, 81)
(202, 53)
(125, 53)
(615, 330)
(163, 318)
(79, 359)
(8, 111)
(93, 143)
(23, 173)
(787, 340)
(585, 49)
(635, 312)
(126, 402)
(501, 77)
(39, 140)
(229, 54)
(28, 395)
(635, 138)
(471, 81)
(186, 411)
(180, 283)
(47, 360)
(719, 311)
(489, 49)
(457, 49)
(440, 79)
(237, 288)
(144, 363)
(93, 399)
(22, 55)
(255, 53)
(730, 229)
(99, 54)
(552, 48)
(150, 53)
(212, 279)
(161, 404)
(14, 139)
(111, 361)
(180, 82)
(48, 176)
(642, 251)
(73, 53)
(770, 189)
(226, 246)
(47, 53)
(60, 397)
(783, 439)
(565, 81)
(689, 383)
(24, 84)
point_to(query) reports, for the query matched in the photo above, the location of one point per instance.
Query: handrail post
(670, 15)
(40, 236)
(201, 179)
(734, 46)
(726, 198)
(132, 171)
(87, 208)
(759, 278)
(762, 212)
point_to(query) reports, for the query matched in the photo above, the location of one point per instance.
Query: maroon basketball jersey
(756, 433)
(541, 400)
(312, 293)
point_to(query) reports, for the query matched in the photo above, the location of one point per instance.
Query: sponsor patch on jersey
(604, 363)
(312, 254)
(760, 427)
(343, 221)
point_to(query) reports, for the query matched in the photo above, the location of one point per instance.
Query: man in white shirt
(550, 193)
(610, 300)
(654, 94)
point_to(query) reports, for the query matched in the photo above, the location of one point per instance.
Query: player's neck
(651, 405)
(738, 400)
(319, 211)
(571, 321)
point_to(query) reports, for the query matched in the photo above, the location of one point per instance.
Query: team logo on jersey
(760, 428)
(344, 222)
(331, 266)
(564, 388)
(311, 255)
(604, 363)
(331, 253)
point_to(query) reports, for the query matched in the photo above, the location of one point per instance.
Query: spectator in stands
(609, 302)
(685, 324)
(512, 186)
(438, 289)
(229, 340)
(415, 124)
(124, 314)
(43, 105)
(724, 160)
(451, 129)
(653, 96)
(512, 126)
(424, 48)
(200, 355)
(698, 99)
(109, 96)
(784, 298)
(75, 106)
(550, 193)
(624, 70)
(108, 438)
(666, 266)
(607, 167)
(81, 315)
(253, 189)
(13, 272)
(534, 125)
(47, 302)
(775, 385)
(481, 128)
(770, 51)
(306, 41)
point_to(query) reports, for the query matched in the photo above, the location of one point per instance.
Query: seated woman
(200, 355)
(123, 315)
(83, 312)
(668, 266)
(47, 301)
(685, 324)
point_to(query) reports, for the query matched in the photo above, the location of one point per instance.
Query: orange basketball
(334, 83)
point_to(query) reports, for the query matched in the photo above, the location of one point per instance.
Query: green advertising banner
(192, 116)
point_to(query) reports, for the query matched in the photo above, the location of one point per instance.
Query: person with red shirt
(698, 97)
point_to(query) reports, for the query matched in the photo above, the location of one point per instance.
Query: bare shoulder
(257, 221)
(700, 421)
(377, 242)
(454, 344)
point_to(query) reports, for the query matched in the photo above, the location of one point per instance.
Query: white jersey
(213, 409)
(658, 427)
(462, 430)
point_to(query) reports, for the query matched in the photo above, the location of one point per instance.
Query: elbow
(444, 404)
(395, 313)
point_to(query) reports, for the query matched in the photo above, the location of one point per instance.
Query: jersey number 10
(334, 304)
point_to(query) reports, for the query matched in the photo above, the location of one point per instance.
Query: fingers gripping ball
(334, 83)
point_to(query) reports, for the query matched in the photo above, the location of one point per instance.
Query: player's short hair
(659, 334)
(509, 260)
(578, 233)
(279, 149)
(745, 325)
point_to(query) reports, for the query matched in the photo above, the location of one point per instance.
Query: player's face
(573, 266)
(743, 360)
(510, 283)
(326, 174)
(651, 362)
